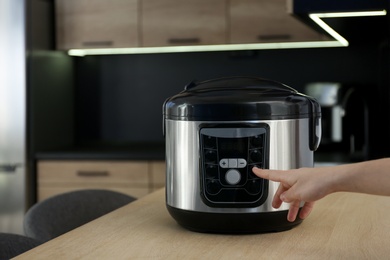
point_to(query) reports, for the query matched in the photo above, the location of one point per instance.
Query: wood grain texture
(342, 226)
(183, 22)
(153, 23)
(136, 178)
(254, 21)
(157, 170)
(96, 24)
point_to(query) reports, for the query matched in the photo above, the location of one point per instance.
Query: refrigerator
(12, 116)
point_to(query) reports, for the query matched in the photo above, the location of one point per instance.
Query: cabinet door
(96, 23)
(183, 22)
(254, 21)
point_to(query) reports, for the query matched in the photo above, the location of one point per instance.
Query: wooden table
(342, 226)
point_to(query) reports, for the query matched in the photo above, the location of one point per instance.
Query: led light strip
(316, 17)
(351, 14)
(201, 48)
(329, 30)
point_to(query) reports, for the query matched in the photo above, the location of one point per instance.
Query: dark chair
(61, 213)
(12, 245)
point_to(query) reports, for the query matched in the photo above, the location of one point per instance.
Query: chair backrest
(61, 213)
(12, 245)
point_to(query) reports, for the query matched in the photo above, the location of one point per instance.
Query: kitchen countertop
(341, 226)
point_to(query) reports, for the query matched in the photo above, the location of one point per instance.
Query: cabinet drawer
(132, 173)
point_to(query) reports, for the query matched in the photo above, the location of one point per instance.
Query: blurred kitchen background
(74, 122)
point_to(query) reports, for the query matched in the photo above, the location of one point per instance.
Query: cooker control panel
(228, 155)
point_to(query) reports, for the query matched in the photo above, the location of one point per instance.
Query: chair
(61, 213)
(12, 245)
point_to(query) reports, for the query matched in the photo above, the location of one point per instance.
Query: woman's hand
(298, 185)
(311, 184)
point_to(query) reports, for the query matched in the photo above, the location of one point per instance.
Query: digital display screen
(233, 147)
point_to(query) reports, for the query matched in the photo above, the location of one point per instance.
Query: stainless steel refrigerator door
(12, 114)
(12, 201)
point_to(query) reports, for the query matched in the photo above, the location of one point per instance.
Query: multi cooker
(216, 131)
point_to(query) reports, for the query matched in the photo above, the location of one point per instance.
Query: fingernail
(291, 218)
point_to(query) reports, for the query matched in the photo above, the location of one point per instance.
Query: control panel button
(233, 177)
(241, 163)
(209, 142)
(213, 186)
(253, 186)
(232, 163)
(256, 156)
(224, 163)
(211, 156)
(256, 141)
(212, 171)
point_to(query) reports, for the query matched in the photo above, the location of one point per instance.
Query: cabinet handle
(183, 40)
(274, 37)
(98, 44)
(93, 173)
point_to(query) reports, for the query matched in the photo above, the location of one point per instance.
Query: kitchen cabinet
(153, 23)
(135, 178)
(183, 22)
(96, 24)
(253, 21)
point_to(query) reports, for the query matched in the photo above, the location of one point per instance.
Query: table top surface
(341, 226)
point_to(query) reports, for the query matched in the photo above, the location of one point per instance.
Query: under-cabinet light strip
(316, 17)
(351, 14)
(329, 30)
(200, 48)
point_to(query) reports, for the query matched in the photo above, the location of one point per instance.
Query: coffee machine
(344, 119)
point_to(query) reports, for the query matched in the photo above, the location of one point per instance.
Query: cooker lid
(239, 98)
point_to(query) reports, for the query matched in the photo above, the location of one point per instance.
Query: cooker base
(233, 223)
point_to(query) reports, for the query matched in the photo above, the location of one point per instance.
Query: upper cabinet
(150, 23)
(183, 22)
(254, 21)
(96, 23)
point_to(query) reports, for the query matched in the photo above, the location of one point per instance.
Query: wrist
(343, 181)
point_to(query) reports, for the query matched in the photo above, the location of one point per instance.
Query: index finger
(273, 175)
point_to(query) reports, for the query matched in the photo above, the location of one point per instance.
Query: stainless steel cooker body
(288, 149)
(216, 131)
